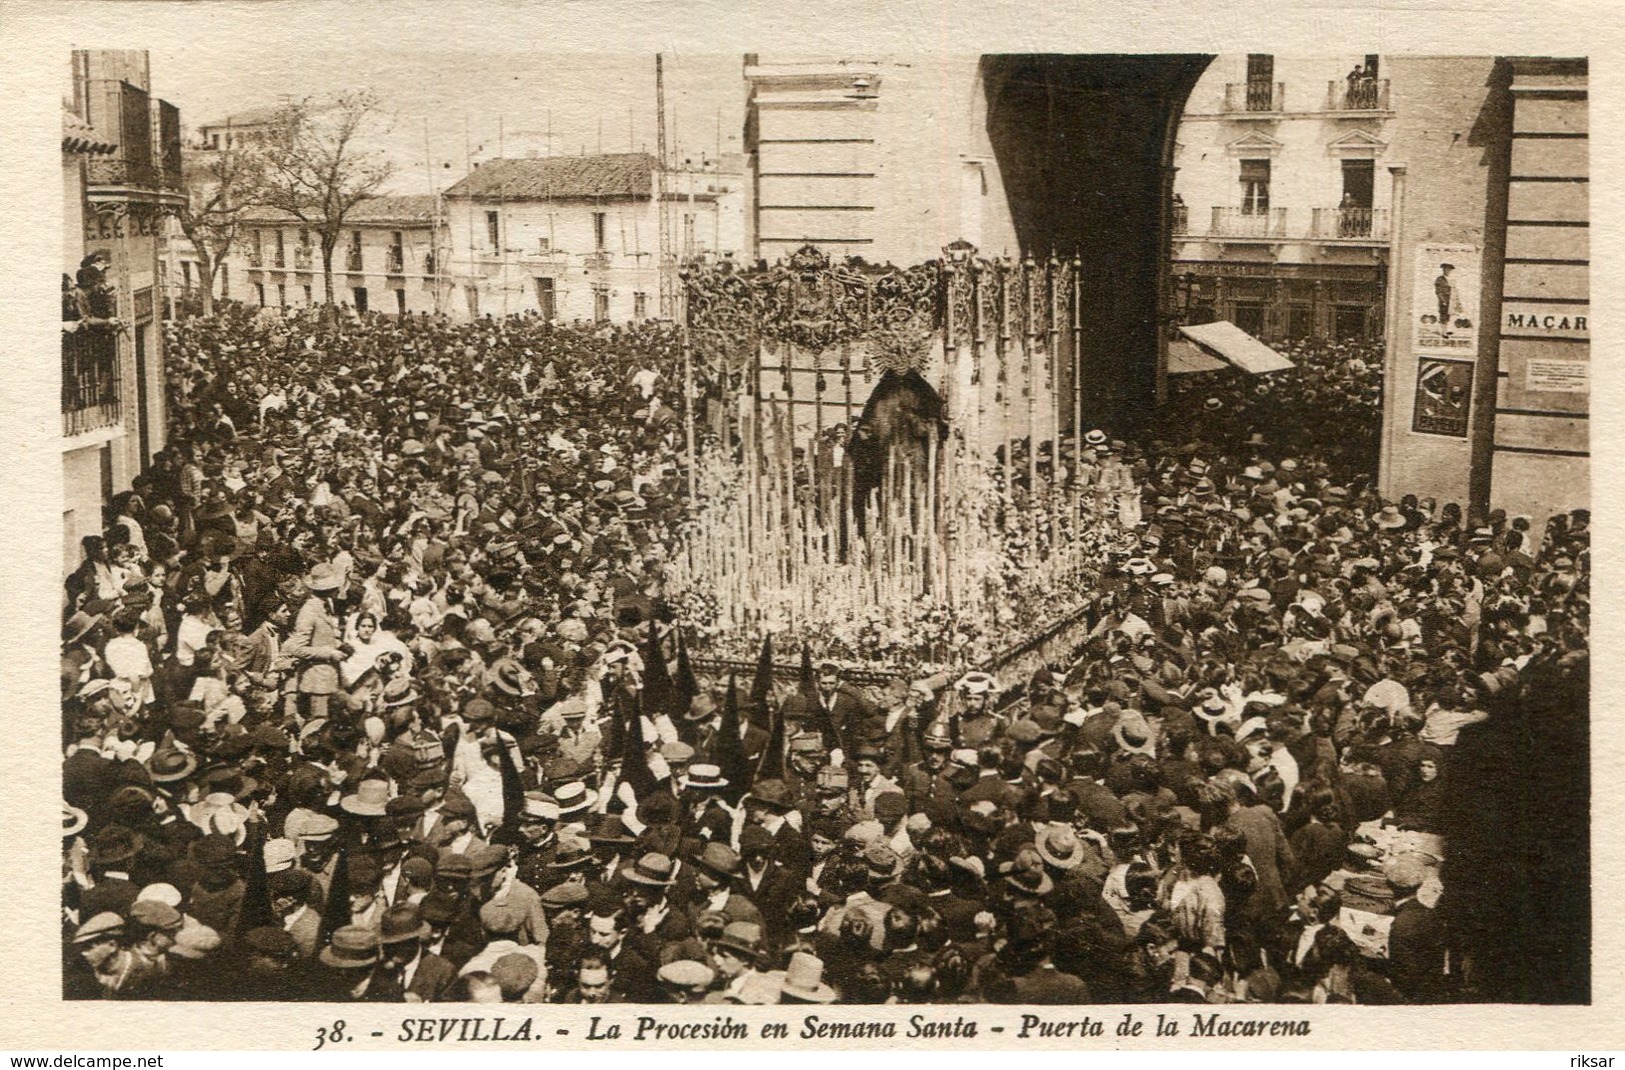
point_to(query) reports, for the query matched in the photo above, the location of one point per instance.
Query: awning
(1184, 358)
(1224, 339)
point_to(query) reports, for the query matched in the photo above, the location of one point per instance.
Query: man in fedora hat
(768, 806)
(314, 644)
(735, 954)
(715, 886)
(406, 972)
(351, 957)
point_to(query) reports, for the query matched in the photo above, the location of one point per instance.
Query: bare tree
(316, 166)
(221, 187)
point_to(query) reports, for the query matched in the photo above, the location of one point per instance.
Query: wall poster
(1444, 396)
(1445, 305)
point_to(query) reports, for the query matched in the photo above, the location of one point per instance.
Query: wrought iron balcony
(1181, 218)
(91, 384)
(256, 259)
(1254, 97)
(1362, 94)
(352, 260)
(598, 261)
(112, 171)
(395, 260)
(303, 257)
(1265, 224)
(1350, 224)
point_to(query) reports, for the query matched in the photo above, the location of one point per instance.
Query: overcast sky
(606, 101)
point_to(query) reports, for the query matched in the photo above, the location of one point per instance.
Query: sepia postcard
(744, 529)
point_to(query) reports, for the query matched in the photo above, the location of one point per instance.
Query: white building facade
(1282, 198)
(390, 260)
(580, 237)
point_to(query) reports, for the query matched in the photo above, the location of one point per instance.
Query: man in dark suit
(841, 713)
(766, 808)
(408, 973)
(1416, 943)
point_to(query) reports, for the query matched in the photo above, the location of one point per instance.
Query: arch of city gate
(1085, 146)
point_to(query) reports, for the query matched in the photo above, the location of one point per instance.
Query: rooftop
(246, 117)
(622, 174)
(407, 209)
(79, 136)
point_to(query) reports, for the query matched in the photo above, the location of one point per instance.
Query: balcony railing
(1243, 97)
(1362, 94)
(394, 260)
(1182, 219)
(1262, 224)
(303, 257)
(1350, 224)
(352, 260)
(599, 260)
(256, 259)
(111, 171)
(91, 387)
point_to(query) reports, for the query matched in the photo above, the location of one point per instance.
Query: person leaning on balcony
(97, 302)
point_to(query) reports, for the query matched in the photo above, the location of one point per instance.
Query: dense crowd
(370, 692)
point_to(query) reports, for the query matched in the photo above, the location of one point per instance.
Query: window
(688, 234)
(1359, 180)
(600, 221)
(225, 280)
(600, 304)
(1349, 323)
(254, 248)
(1300, 321)
(360, 293)
(259, 293)
(493, 232)
(1249, 316)
(546, 299)
(400, 302)
(214, 141)
(640, 306)
(1260, 82)
(544, 246)
(310, 297)
(1255, 187)
(472, 295)
(186, 275)
(281, 295)
(281, 250)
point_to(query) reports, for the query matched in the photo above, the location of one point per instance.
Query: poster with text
(1445, 305)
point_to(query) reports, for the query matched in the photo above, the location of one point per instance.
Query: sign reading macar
(1546, 321)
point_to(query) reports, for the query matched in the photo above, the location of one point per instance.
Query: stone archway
(1085, 147)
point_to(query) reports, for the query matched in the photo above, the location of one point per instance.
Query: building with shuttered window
(121, 176)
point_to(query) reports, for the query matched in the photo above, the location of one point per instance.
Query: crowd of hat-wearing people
(370, 693)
